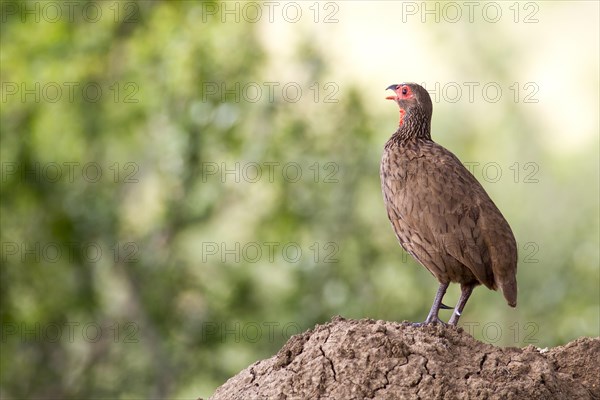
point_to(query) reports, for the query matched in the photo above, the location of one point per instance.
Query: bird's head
(415, 107)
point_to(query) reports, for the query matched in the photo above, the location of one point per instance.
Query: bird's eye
(404, 90)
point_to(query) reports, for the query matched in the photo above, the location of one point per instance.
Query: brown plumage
(440, 213)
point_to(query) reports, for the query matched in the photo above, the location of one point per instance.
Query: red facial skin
(403, 92)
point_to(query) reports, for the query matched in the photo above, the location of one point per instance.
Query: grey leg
(433, 318)
(466, 291)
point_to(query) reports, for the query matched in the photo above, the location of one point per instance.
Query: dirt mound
(367, 359)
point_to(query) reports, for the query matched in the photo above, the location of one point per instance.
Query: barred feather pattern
(442, 215)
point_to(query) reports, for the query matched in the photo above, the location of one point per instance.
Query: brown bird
(440, 213)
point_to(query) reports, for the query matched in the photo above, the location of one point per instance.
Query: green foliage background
(176, 321)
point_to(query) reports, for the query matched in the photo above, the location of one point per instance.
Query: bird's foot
(430, 321)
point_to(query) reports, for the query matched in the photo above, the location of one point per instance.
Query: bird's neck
(414, 126)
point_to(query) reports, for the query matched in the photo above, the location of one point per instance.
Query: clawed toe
(430, 322)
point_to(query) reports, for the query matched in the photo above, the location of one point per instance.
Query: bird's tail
(504, 266)
(509, 289)
(504, 258)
